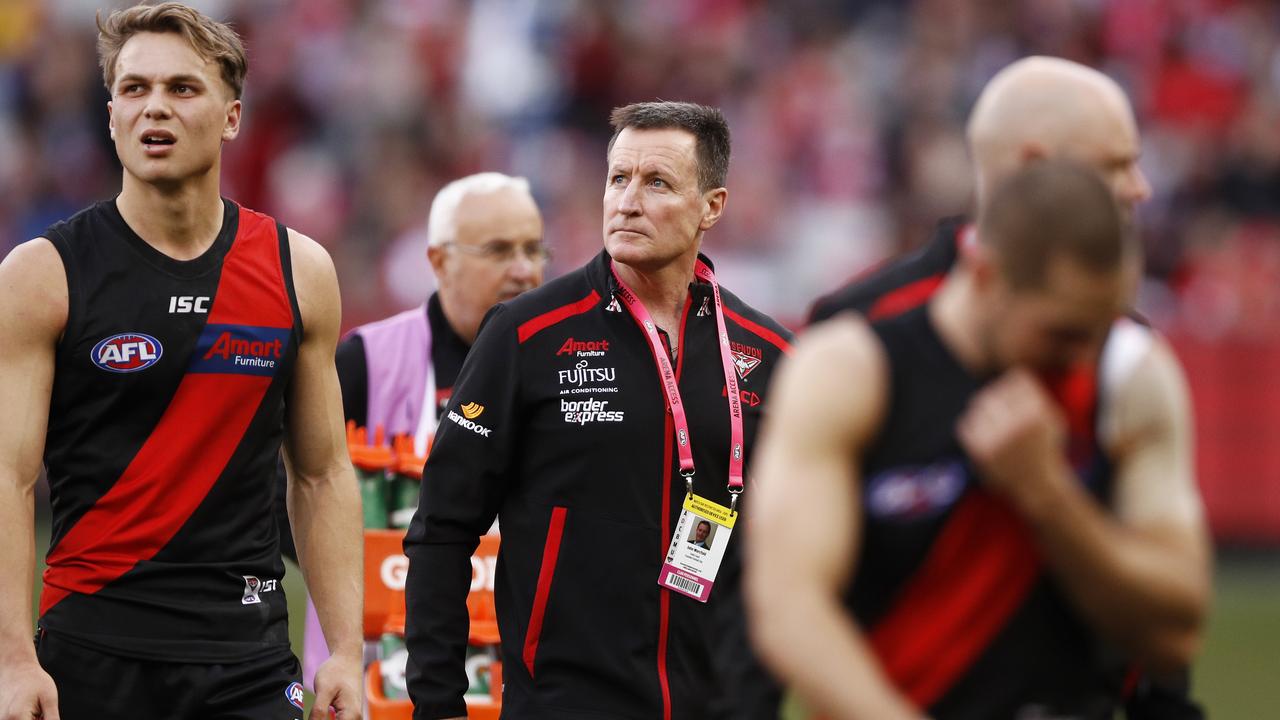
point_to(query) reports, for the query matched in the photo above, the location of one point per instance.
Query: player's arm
(802, 543)
(463, 484)
(1142, 574)
(323, 499)
(33, 314)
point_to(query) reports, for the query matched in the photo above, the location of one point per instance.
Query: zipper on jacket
(664, 597)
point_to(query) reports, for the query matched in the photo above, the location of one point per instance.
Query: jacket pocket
(550, 553)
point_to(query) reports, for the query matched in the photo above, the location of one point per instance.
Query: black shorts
(99, 686)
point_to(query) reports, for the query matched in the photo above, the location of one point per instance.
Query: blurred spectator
(847, 120)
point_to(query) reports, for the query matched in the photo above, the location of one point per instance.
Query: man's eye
(617, 179)
(658, 182)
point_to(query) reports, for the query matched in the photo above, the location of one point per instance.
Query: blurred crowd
(848, 122)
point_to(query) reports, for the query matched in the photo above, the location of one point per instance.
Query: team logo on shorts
(294, 694)
(126, 352)
(251, 587)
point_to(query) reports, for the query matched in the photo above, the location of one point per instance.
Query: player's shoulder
(82, 223)
(33, 285)
(571, 291)
(738, 312)
(1132, 352)
(927, 263)
(311, 262)
(839, 350)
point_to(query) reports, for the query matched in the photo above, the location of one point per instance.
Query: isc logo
(180, 304)
(126, 352)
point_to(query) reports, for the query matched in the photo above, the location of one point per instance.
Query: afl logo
(294, 694)
(126, 352)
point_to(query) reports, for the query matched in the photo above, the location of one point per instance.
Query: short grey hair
(442, 222)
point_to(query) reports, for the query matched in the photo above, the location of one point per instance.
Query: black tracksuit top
(558, 426)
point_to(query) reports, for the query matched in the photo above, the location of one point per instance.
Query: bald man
(485, 246)
(1038, 108)
(949, 520)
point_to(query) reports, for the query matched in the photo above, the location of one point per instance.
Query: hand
(27, 691)
(338, 686)
(1015, 435)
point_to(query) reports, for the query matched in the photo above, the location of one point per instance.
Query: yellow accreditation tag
(697, 547)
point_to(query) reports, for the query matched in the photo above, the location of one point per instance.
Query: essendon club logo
(745, 358)
(583, 348)
(126, 352)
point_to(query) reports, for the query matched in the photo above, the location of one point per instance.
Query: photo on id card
(697, 546)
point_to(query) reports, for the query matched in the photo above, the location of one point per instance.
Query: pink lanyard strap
(669, 385)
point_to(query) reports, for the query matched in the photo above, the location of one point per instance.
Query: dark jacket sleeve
(463, 485)
(353, 378)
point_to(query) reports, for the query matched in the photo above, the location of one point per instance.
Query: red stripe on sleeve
(529, 328)
(763, 332)
(194, 439)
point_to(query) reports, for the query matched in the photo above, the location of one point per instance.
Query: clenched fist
(1016, 436)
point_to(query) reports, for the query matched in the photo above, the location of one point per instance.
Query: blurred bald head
(1043, 107)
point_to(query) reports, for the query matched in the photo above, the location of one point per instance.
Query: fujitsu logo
(584, 348)
(581, 374)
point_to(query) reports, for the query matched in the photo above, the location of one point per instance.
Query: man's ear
(980, 260)
(712, 207)
(111, 120)
(436, 257)
(232, 129)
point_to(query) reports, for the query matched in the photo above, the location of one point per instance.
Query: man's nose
(629, 201)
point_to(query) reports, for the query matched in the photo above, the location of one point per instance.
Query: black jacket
(558, 426)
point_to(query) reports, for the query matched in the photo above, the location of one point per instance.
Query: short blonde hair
(212, 40)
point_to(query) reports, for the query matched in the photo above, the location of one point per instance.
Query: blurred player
(159, 347)
(933, 535)
(1036, 108)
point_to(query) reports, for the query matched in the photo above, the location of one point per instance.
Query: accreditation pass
(697, 547)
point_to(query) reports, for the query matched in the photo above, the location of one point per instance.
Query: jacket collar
(601, 276)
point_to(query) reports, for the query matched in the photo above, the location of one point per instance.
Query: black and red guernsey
(165, 426)
(968, 613)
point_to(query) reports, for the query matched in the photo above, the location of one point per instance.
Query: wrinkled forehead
(673, 147)
(156, 56)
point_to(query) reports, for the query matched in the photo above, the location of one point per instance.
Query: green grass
(1237, 676)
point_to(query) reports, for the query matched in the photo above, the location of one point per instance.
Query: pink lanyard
(672, 389)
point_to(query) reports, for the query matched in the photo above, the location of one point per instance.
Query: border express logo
(239, 350)
(293, 694)
(126, 352)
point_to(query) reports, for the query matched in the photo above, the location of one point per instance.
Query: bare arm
(323, 500)
(802, 543)
(1142, 574)
(33, 313)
